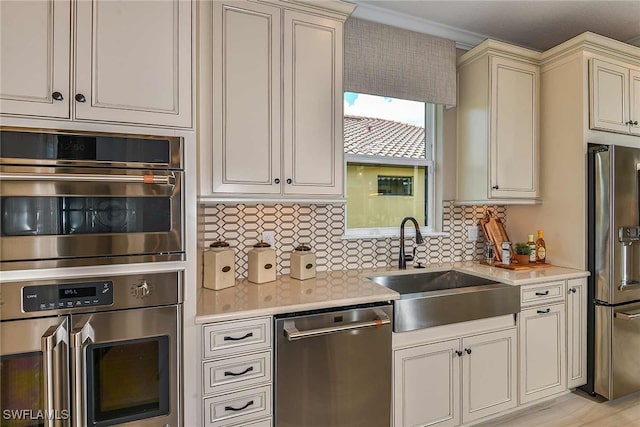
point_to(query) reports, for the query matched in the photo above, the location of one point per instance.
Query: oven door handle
(85, 177)
(52, 338)
(630, 315)
(81, 336)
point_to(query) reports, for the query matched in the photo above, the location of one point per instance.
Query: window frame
(431, 228)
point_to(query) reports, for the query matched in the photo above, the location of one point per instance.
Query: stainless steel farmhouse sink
(443, 297)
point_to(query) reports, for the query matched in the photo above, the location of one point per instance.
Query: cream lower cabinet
(457, 381)
(277, 102)
(498, 124)
(237, 373)
(542, 351)
(576, 332)
(614, 95)
(132, 61)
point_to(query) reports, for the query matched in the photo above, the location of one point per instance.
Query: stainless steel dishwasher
(333, 368)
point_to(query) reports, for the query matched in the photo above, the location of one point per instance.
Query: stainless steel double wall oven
(101, 350)
(87, 199)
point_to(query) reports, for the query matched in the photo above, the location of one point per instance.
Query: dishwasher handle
(292, 333)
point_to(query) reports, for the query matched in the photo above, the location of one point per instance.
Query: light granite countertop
(342, 288)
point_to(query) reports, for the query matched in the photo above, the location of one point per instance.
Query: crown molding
(463, 39)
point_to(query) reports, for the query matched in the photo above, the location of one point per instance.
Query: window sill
(382, 233)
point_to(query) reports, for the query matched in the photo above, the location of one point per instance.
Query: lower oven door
(126, 367)
(34, 379)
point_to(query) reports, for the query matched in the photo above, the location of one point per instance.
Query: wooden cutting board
(494, 231)
(517, 267)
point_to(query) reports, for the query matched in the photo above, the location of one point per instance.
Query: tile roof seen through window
(379, 137)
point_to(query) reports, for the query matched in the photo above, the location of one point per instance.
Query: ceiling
(538, 25)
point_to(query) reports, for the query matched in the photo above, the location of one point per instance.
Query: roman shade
(389, 61)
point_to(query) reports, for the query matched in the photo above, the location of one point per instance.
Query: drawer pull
(231, 408)
(544, 311)
(247, 335)
(237, 374)
(542, 294)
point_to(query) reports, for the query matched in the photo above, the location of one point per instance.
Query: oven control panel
(59, 297)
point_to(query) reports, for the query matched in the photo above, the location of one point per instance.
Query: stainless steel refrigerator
(614, 261)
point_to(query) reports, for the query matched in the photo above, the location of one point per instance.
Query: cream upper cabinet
(312, 134)
(576, 332)
(277, 103)
(457, 381)
(498, 125)
(132, 62)
(246, 98)
(35, 51)
(614, 97)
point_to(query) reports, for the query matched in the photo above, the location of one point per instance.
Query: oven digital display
(64, 293)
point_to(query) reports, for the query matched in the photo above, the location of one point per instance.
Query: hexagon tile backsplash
(322, 226)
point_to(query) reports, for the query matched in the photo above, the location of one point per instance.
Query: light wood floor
(576, 409)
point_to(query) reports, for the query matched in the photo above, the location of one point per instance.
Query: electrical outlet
(472, 233)
(269, 237)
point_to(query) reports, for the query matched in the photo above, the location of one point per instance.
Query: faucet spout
(402, 261)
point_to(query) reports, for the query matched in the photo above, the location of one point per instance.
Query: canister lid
(219, 244)
(262, 244)
(302, 248)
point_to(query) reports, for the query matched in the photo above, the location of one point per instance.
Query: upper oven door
(64, 216)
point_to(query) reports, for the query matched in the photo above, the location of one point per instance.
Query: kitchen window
(389, 155)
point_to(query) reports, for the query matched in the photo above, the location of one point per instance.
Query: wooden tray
(517, 267)
(494, 231)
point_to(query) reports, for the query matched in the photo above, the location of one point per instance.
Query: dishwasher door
(334, 368)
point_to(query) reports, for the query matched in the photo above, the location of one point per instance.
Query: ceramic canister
(262, 263)
(303, 263)
(219, 266)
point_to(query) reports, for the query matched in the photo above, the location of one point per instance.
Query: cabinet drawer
(235, 372)
(543, 293)
(232, 337)
(238, 407)
(260, 423)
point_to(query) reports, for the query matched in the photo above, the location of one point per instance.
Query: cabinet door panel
(609, 96)
(313, 141)
(489, 374)
(133, 61)
(34, 46)
(246, 98)
(542, 354)
(634, 102)
(514, 124)
(427, 385)
(577, 332)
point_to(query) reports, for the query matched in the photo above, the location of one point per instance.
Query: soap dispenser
(303, 263)
(262, 263)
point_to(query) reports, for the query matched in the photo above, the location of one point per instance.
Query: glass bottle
(541, 248)
(532, 246)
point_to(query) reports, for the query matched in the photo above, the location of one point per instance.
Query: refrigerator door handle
(631, 315)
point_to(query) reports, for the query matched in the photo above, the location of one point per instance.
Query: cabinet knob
(635, 123)
(468, 350)
(496, 187)
(80, 97)
(459, 353)
(57, 96)
(572, 290)
(276, 181)
(289, 180)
